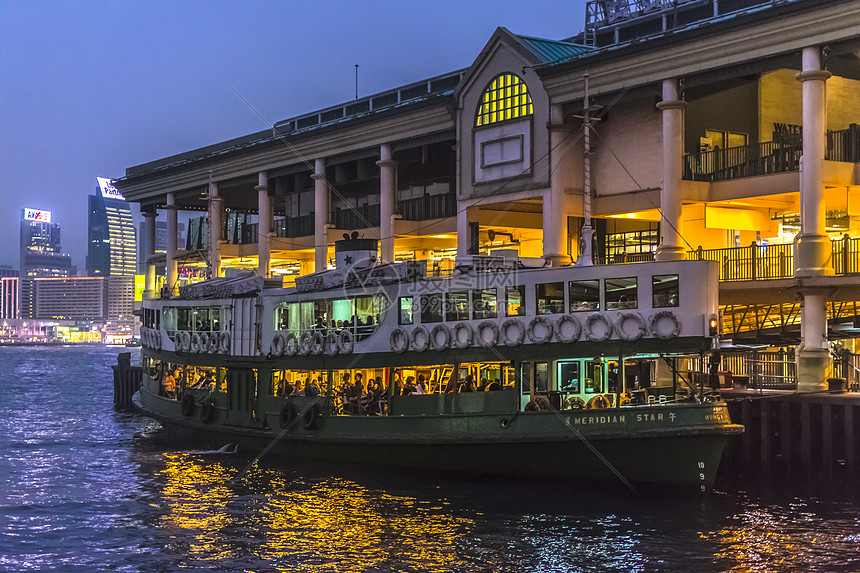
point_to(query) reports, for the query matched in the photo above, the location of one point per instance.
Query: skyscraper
(41, 254)
(111, 237)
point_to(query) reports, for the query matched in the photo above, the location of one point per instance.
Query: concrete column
(555, 239)
(463, 230)
(672, 107)
(171, 282)
(812, 250)
(216, 229)
(264, 224)
(148, 252)
(321, 215)
(387, 202)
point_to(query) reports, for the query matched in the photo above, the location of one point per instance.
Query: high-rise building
(41, 255)
(9, 292)
(111, 237)
(72, 298)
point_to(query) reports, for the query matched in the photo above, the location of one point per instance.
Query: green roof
(549, 51)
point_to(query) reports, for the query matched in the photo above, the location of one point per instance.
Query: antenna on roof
(356, 81)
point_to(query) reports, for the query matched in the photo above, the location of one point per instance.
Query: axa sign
(37, 215)
(108, 190)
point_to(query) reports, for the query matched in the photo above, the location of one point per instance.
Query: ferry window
(541, 377)
(664, 290)
(431, 308)
(526, 377)
(215, 319)
(405, 310)
(584, 295)
(367, 309)
(342, 311)
(593, 377)
(484, 303)
(568, 376)
(515, 300)
(457, 307)
(621, 293)
(550, 298)
(183, 321)
(282, 316)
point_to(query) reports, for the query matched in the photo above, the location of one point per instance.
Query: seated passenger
(312, 390)
(421, 388)
(297, 391)
(468, 385)
(409, 386)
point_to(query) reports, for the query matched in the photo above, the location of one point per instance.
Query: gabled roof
(549, 51)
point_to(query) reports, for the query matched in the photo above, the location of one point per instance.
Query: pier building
(710, 129)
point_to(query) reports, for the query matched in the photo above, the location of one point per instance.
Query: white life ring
(462, 335)
(291, 344)
(305, 343)
(540, 322)
(637, 319)
(186, 340)
(591, 322)
(399, 341)
(195, 342)
(331, 347)
(224, 343)
(179, 340)
(518, 337)
(493, 339)
(662, 332)
(204, 341)
(345, 342)
(565, 323)
(156, 339)
(420, 339)
(278, 344)
(144, 337)
(214, 343)
(317, 343)
(440, 330)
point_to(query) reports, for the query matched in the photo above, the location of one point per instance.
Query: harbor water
(86, 488)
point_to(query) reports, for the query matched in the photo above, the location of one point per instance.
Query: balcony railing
(362, 217)
(767, 158)
(301, 226)
(428, 207)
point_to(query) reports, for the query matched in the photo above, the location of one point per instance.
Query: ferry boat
(496, 368)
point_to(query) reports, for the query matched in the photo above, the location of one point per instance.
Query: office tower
(111, 238)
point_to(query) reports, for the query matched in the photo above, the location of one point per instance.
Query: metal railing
(767, 158)
(300, 226)
(428, 207)
(361, 217)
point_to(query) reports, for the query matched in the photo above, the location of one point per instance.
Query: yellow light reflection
(331, 525)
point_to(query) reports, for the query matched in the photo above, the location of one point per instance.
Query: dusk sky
(89, 88)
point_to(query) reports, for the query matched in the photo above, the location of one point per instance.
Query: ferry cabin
(561, 337)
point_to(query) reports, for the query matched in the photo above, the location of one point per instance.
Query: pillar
(148, 252)
(321, 215)
(812, 250)
(672, 108)
(387, 202)
(216, 229)
(171, 282)
(463, 236)
(264, 225)
(555, 238)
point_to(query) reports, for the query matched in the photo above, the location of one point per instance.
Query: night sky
(90, 88)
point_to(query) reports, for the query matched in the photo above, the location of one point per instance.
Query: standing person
(169, 384)
(421, 387)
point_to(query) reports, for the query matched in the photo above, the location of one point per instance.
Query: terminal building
(710, 129)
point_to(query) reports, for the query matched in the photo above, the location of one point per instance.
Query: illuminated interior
(507, 97)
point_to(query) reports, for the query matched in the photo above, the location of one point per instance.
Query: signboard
(37, 215)
(139, 287)
(108, 190)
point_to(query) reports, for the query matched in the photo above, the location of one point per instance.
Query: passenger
(421, 388)
(468, 385)
(288, 388)
(297, 391)
(169, 384)
(312, 390)
(340, 325)
(409, 387)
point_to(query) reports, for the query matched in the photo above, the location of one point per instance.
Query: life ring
(187, 405)
(639, 331)
(214, 343)
(144, 337)
(310, 417)
(567, 329)
(287, 415)
(440, 330)
(462, 335)
(399, 341)
(156, 339)
(318, 343)
(493, 339)
(345, 341)
(330, 346)
(590, 323)
(420, 339)
(574, 403)
(662, 333)
(278, 344)
(599, 402)
(532, 406)
(207, 412)
(518, 336)
(305, 343)
(224, 343)
(195, 342)
(204, 341)
(546, 324)
(179, 341)
(291, 344)
(624, 400)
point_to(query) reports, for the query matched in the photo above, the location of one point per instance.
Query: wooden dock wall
(126, 381)
(795, 440)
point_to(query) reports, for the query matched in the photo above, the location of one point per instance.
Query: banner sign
(37, 215)
(108, 190)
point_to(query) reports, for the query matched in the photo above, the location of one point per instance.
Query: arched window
(507, 97)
